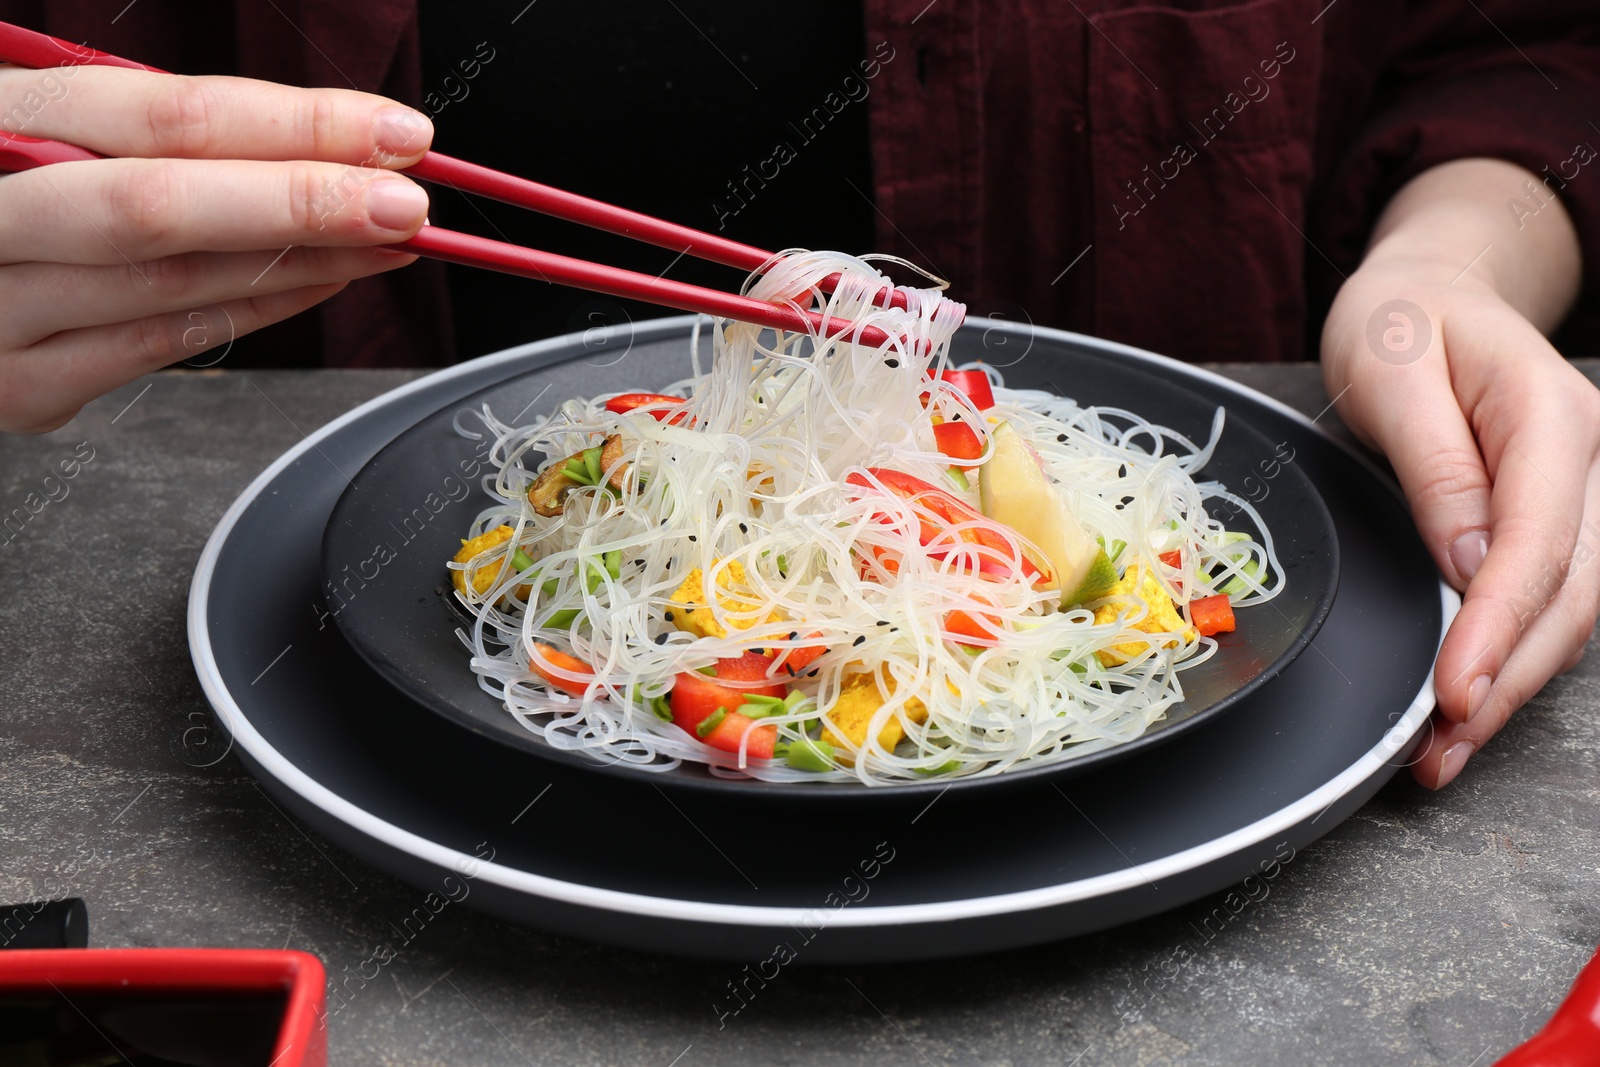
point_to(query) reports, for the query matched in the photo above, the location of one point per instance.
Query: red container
(155, 987)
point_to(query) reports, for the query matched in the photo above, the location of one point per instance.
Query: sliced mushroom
(611, 460)
(547, 494)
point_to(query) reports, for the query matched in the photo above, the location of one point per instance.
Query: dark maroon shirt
(1192, 177)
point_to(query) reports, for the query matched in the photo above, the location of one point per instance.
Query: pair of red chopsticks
(17, 152)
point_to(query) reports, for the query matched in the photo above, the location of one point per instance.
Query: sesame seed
(692, 537)
(891, 363)
(883, 622)
(743, 528)
(860, 640)
(667, 616)
(813, 672)
(1061, 437)
(661, 639)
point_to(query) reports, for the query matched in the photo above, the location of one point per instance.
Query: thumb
(1405, 402)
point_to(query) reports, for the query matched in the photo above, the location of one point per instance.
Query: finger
(46, 298)
(1537, 420)
(1553, 643)
(129, 210)
(120, 112)
(1408, 404)
(48, 383)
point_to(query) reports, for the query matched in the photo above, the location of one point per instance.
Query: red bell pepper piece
(750, 667)
(695, 697)
(975, 630)
(973, 384)
(1212, 614)
(544, 657)
(951, 511)
(727, 734)
(1173, 559)
(625, 403)
(794, 661)
(957, 440)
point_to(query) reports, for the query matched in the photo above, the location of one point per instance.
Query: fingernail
(1455, 758)
(1467, 553)
(396, 204)
(401, 131)
(1477, 694)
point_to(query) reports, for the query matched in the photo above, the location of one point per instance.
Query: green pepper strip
(711, 722)
(943, 768)
(562, 620)
(662, 707)
(613, 561)
(809, 755)
(591, 460)
(520, 560)
(1236, 584)
(759, 706)
(578, 471)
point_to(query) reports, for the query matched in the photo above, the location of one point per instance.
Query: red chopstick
(473, 251)
(27, 48)
(467, 177)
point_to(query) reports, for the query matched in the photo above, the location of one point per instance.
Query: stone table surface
(1430, 928)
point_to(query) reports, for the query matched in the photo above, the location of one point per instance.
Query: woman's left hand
(1438, 360)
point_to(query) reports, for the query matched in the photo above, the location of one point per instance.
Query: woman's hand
(1435, 352)
(251, 202)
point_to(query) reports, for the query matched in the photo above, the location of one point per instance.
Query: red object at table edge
(302, 1039)
(1572, 1036)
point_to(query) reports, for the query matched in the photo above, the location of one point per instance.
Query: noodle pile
(755, 475)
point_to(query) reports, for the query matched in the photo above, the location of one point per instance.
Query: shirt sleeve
(1498, 79)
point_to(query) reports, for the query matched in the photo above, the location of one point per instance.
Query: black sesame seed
(860, 640)
(667, 616)
(1061, 437)
(758, 651)
(891, 363)
(743, 528)
(692, 537)
(661, 639)
(793, 634)
(638, 563)
(813, 672)
(883, 622)
(956, 417)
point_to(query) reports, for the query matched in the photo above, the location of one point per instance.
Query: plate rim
(240, 730)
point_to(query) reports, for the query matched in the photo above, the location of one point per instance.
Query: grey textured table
(1428, 929)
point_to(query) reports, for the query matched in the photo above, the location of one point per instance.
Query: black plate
(405, 512)
(619, 861)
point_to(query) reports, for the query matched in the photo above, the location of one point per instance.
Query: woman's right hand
(238, 203)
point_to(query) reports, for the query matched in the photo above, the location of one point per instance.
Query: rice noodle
(755, 475)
